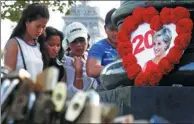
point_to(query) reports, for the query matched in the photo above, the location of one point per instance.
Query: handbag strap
(21, 54)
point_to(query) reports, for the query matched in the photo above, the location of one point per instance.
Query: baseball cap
(75, 30)
(108, 20)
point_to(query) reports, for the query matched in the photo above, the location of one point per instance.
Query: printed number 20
(142, 39)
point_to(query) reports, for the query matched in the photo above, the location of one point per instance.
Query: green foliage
(12, 9)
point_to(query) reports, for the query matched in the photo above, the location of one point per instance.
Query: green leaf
(13, 11)
(68, 12)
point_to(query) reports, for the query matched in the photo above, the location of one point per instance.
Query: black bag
(21, 54)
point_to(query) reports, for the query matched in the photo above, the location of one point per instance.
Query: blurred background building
(90, 17)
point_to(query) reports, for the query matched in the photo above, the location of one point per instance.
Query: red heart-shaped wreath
(180, 16)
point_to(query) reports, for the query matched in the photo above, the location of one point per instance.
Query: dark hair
(108, 18)
(49, 32)
(32, 12)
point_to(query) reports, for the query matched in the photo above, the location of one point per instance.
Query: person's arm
(70, 76)
(93, 67)
(78, 79)
(93, 63)
(11, 51)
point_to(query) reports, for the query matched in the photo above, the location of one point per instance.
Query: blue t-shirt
(104, 52)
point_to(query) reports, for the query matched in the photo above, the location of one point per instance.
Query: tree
(12, 9)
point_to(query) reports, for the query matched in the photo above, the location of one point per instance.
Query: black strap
(21, 54)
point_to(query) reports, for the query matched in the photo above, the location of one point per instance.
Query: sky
(56, 19)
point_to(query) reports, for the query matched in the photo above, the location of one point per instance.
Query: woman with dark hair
(52, 50)
(161, 43)
(22, 49)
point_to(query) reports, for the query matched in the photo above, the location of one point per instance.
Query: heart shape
(171, 33)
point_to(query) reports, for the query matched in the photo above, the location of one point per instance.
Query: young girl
(52, 50)
(22, 49)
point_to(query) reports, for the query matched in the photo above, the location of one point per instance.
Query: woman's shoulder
(67, 60)
(12, 41)
(149, 62)
(11, 44)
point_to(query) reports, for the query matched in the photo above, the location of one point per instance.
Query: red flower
(149, 13)
(165, 15)
(122, 36)
(155, 76)
(182, 41)
(138, 14)
(124, 48)
(174, 55)
(165, 66)
(133, 70)
(141, 79)
(128, 60)
(184, 26)
(179, 13)
(156, 23)
(130, 24)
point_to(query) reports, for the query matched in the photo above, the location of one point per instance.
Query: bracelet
(78, 78)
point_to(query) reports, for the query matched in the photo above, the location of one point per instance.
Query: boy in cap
(104, 51)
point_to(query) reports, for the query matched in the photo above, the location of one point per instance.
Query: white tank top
(32, 58)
